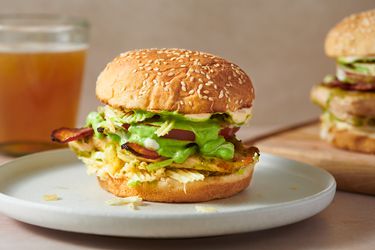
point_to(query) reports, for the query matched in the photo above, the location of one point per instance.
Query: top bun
(353, 36)
(189, 82)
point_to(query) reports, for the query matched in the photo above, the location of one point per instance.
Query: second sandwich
(348, 98)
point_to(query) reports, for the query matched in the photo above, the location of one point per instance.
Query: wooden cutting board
(354, 172)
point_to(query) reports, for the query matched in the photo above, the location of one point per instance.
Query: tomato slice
(180, 134)
(186, 135)
(64, 135)
(140, 150)
(228, 132)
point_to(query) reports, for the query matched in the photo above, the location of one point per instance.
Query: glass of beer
(42, 60)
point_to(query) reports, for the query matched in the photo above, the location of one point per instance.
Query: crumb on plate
(51, 197)
(205, 209)
(132, 202)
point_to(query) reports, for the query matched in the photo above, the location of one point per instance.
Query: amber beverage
(40, 85)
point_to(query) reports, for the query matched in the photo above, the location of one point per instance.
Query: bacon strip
(351, 86)
(140, 151)
(126, 126)
(64, 135)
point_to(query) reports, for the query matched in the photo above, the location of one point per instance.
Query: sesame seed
(221, 95)
(170, 74)
(206, 91)
(192, 79)
(183, 66)
(191, 92)
(210, 99)
(156, 69)
(205, 97)
(134, 70)
(155, 81)
(146, 75)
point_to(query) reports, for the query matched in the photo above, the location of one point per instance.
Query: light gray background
(278, 43)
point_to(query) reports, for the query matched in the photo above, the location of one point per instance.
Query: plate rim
(35, 205)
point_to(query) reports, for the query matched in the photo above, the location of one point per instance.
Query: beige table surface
(348, 223)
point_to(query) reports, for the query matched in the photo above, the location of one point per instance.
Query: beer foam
(41, 47)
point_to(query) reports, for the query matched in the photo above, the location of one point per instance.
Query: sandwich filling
(355, 78)
(147, 146)
(353, 73)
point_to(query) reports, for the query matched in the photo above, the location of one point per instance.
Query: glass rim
(47, 22)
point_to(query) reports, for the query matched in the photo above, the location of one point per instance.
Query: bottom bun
(346, 139)
(169, 190)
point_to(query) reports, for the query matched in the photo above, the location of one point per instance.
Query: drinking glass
(42, 61)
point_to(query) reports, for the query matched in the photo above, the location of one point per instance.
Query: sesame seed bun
(189, 82)
(353, 36)
(169, 190)
(347, 139)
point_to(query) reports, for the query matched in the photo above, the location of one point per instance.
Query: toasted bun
(345, 139)
(210, 188)
(189, 82)
(342, 102)
(353, 36)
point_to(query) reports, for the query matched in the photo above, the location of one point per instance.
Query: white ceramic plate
(282, 192)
